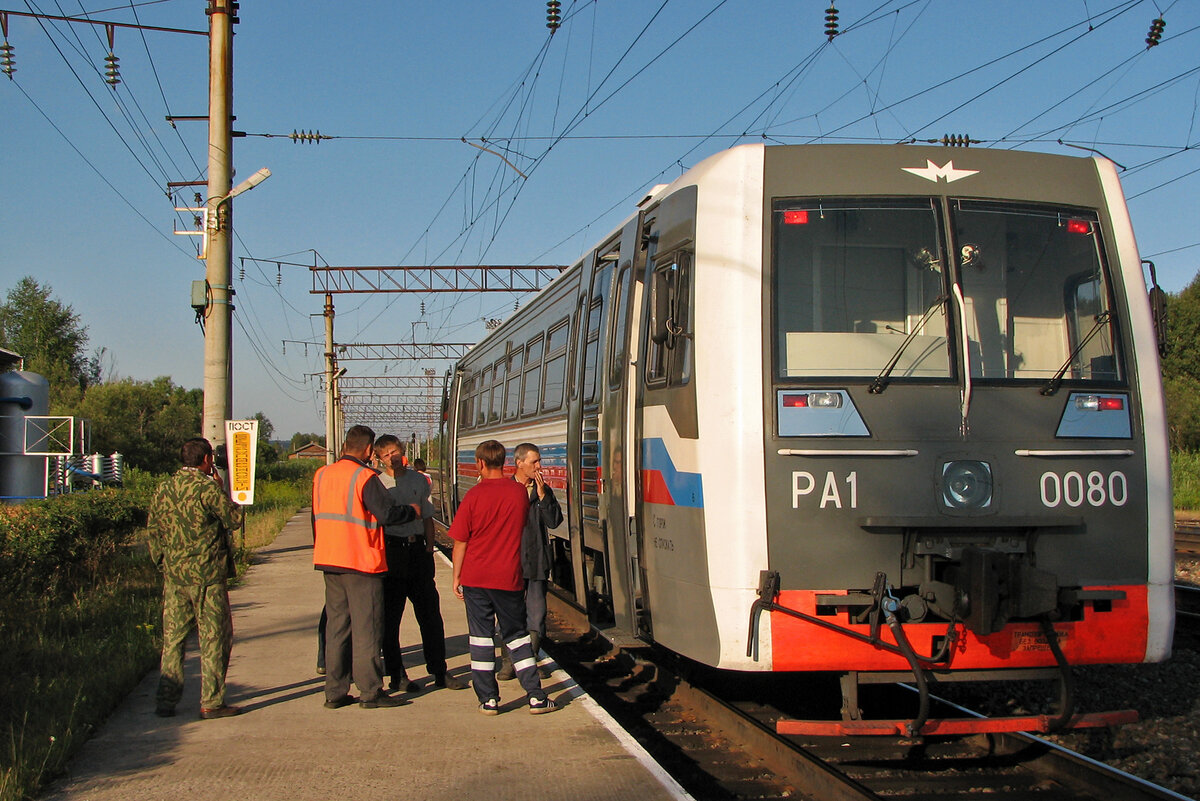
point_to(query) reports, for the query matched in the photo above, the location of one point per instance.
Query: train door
(590, 552)
(664, 402)
(617, 436)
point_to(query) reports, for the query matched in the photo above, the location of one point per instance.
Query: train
(879, 410)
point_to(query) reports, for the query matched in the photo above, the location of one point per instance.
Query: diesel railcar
(852, 408)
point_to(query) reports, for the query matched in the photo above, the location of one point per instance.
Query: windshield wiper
(881, 381)
(1102, 319)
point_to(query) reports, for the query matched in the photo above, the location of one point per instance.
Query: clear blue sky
(634, 85)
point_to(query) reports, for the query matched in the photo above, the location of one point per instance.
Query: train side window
(595, 322)
(669, 352)
(497, 404)
(485, 397)
(533, 376)
(556, 365)
(512, 388)
(466, 415)
(617, 355)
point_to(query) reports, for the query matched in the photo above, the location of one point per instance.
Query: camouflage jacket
(190, 523)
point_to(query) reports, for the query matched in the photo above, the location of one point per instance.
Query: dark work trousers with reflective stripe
(411, 577)
(354, 603)
(485, 609)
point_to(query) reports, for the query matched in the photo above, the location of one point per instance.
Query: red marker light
(795, 401)
(1079, 227)
(1112, 404)
(795, 217)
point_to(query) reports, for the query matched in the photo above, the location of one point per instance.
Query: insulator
(112, 70)
(7, 65)
(242, 272)
(831, 22)
(956, 140)
(1156, 32)
(516, 305)
(278, 276)
(422, 308)
(553, 19)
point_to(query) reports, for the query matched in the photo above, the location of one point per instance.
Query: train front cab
(965, 459)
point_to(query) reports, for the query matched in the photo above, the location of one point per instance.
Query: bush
(61, 542)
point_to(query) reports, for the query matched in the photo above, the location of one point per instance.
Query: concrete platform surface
(288, 746)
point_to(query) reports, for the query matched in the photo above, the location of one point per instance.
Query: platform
(287, 745)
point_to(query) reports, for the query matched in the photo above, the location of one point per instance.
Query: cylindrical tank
(21, 394)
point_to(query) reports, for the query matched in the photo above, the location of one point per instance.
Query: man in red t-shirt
(487, 577)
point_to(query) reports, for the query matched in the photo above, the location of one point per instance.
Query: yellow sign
(241, 442)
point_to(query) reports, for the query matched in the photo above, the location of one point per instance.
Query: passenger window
(512, 390)
(595, 322)
(497, 404)
(466, 415)
(617, 354)
(556, 365)
(533, 376)
(485, 397)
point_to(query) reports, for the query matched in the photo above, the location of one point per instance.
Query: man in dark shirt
(411, 573)
(487, 577)
(350, 509)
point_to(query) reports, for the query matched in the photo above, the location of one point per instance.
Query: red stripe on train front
(654, 488)
(1117, 636)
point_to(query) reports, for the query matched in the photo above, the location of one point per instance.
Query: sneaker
(221, 711)
(540, 706)
(449, 682)
(490, 707)
(338, 703)
(382, 701)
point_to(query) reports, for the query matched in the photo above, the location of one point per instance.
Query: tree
(53, 341)
(146, 421)
(1181, 367)
(266, 451)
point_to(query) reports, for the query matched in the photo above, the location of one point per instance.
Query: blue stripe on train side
(686, 489)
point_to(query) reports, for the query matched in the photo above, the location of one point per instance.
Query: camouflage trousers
(208, 609)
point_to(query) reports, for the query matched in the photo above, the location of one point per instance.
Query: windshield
(1034, 289)
(858, 282)
(853, 281)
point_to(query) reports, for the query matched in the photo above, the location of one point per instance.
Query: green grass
(1185, 477)
(71, 654)
(68, 663)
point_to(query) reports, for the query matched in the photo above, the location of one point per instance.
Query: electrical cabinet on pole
(218, 364)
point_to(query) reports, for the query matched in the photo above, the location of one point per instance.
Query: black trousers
(411, 578)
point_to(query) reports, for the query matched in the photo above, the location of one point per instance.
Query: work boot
(506, 672)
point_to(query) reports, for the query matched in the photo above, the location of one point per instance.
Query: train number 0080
(1075, 489)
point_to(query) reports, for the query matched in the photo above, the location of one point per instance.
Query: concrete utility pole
(331, 377)
(218, 342)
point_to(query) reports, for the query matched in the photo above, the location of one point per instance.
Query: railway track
(1187, 536)
(714, 731)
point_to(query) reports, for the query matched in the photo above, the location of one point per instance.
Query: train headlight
(967, 484)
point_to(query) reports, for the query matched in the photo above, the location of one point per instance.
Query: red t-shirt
(490, 520)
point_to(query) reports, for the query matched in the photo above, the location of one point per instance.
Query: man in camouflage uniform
(190, 523)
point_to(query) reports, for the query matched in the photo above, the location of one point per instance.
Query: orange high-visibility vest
(348, 536)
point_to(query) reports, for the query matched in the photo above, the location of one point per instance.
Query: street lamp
(218, 340)
(214, 217)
